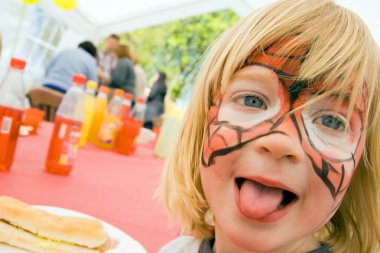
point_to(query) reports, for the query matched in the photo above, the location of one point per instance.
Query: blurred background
(167, 35)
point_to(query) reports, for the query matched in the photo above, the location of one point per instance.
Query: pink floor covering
(117, 189)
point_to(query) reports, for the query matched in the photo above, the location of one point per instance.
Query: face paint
(331, 163)
(271, 172)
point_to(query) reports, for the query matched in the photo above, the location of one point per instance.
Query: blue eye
(332, 122)
(254, 101)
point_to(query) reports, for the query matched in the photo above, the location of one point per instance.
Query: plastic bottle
(89, 110)
(138, 112)
(12, 96)
(125, 112)
(111, 122)
(100, 108)
(67, 129)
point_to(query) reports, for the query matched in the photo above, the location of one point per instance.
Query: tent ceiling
(96, 12)
(98, 18)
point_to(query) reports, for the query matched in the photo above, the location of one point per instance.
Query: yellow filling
(43, 242)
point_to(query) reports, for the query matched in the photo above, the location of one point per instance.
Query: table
(117, 189)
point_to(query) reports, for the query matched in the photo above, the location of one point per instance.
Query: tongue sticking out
(257, 200)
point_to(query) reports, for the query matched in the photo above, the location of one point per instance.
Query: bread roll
(39, 231)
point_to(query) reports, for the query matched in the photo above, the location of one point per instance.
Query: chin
(244, 238)
(257, 244)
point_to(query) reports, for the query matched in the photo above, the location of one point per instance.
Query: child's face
(272, 180)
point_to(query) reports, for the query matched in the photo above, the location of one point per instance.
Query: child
(279, 151)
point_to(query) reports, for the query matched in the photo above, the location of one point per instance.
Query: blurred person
(155, 100)
(108, 59)
(123, 75)
(141, 79)
(80, 60)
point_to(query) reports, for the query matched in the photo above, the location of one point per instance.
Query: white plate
(126, 243)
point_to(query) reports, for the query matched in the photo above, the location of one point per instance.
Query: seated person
(80, 60)
(155, 100)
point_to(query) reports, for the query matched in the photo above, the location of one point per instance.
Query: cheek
(216, 184)
(208, 184)
(320, 206)
(222, 168)
(218, 138)
(333, 166)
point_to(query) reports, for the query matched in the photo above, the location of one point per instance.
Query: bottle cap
(119, 92)
(128, 96)
(79, 79)
(92, 85)
(140, 101)
(104, 89)
(18, 63)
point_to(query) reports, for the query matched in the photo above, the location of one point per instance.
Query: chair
(45, 99)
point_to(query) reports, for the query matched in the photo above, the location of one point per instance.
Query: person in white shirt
(107, 59)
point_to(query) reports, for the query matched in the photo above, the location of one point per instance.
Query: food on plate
(35, 230)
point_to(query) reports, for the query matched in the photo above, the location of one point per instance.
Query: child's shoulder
(323, 249)
(182, 244)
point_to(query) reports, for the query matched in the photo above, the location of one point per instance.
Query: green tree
(177, 48)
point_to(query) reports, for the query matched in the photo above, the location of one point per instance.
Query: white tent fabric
(35, 40)
(98, 18)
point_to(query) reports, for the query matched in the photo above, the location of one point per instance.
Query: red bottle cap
(104, 89)
(119, 92)
(79, 79)
(128, 96)
(140, 100)
(18, 63)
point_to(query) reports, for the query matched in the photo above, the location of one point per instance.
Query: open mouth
(262, 199)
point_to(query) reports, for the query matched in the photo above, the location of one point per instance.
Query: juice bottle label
(70, 134)
(6, 125)
(63, 145)
(10, 121)
(110, 126)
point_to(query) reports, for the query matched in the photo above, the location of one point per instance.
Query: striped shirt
(107, 61)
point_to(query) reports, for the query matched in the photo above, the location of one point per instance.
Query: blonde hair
(344, 56)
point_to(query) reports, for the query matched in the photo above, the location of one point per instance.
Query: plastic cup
(32, 117)
(127, 138)
(168, 134)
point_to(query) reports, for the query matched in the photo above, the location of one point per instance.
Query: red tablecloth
(117, 189)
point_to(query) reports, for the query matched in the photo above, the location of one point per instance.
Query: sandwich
(35, 230)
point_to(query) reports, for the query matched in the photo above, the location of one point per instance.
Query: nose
(280, 146)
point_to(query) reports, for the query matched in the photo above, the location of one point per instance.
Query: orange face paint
(333, 164)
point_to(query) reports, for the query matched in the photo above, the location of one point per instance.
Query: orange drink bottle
(12, 96)
(67, 129)
(99, 110)
(125, 114)
(130, 130)
(125, 111)
(111, 122)
(89, 110)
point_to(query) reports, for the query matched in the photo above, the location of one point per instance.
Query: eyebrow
(344, 96)
(256, 76)
(358, 105)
